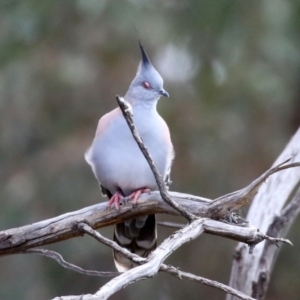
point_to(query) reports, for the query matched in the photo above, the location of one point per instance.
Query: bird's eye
(146, 85)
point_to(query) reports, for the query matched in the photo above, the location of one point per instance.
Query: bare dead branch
(223, 205)
(80, 297)
(66, 226)
(171, 224)
(127, 113)
(63, 227)
(180, 275)
(58, 258)
(165, 268)
(95, 234)
(212, 283)
(249, 235)
(153, 261)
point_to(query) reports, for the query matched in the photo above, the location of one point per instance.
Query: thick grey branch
(65, 226)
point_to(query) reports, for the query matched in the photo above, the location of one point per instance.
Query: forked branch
(63, 227)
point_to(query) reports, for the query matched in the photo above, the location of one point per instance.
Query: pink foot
(135, 195)
(115, 200)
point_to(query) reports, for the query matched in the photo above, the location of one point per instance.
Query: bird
(119, 165)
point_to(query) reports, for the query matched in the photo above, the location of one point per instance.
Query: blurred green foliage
(232, 69)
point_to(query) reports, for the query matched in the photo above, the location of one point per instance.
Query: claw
(117, 197)
(115, 200)
(135, 195)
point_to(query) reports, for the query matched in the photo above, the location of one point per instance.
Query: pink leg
(135, 195)
(115, 200)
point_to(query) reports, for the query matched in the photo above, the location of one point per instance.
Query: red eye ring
(146, 85)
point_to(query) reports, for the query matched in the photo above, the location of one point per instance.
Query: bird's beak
(164, 93)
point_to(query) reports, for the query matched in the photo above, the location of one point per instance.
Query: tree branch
(65, 226)
(223, 204)
(58, 258)
(128, 113)
(95, 234)
(127, 278)
(212, 283)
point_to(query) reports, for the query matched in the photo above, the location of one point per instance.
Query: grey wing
(168, 180)
(105, 191)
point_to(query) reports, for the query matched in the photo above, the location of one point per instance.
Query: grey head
(147, 84)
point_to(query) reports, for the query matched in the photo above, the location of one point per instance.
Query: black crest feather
(145, 59)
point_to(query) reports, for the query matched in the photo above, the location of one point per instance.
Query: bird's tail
(137, 235)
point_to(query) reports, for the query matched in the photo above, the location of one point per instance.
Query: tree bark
(251, 273)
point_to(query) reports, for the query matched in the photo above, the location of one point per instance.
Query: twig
(171, 224)
(249, 235)
(95, 234)
(57, 257)
(128, 113)
(212, 283)
(275, 240)
(222, 206)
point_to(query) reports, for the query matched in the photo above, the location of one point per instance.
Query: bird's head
(147, 84)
